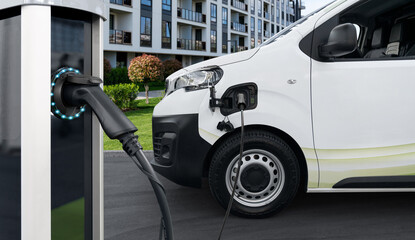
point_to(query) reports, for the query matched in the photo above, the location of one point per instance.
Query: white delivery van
(330, 108)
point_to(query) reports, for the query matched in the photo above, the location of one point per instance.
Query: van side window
(384, 31)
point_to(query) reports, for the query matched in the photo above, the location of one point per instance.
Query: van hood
(218, 61)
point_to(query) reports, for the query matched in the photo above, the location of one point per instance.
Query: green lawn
(141, 118)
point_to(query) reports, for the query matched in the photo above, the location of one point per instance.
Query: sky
(311, 5)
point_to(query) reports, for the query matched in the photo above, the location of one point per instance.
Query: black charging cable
(133, 148)
(242, 106)
(74, 90)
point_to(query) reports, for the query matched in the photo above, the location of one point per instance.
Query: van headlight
(198, 79)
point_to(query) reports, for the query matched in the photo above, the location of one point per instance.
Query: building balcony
(239, 27)
(122, 2)
(119, 37)
(188, 44)
(239, 5)
(266, 15)
(238, 48)
(266, 34)
(191, 15)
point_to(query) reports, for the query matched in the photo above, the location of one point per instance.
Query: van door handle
(292, 81)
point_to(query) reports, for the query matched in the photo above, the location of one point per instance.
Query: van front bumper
(179, 151)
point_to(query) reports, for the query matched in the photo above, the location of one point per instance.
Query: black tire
(255, 175)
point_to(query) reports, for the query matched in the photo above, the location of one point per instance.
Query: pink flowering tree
(145, 69)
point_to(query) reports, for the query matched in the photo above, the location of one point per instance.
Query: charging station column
(51, 170)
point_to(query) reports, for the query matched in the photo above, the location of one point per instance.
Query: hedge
(123, 95)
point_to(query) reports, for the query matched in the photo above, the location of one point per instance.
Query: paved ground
(131, 212)
(151, 94)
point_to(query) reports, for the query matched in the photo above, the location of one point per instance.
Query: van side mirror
(342, 41)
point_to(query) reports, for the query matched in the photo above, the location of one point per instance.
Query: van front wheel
(269, 175)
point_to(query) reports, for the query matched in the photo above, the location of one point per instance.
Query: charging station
(51, 170)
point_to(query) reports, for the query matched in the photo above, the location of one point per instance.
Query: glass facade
(213, 40)
(145, 32)
(146, 2)
(166, 5)
(224, 16)
(166, 34)
(224, 42)
(213, 12)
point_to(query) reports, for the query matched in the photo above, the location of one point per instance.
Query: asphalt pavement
(151, 94)
(131, 212)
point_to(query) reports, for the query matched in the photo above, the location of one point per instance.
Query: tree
(171, 66)
(145, 69)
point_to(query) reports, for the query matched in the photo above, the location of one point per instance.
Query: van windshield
(288, 29)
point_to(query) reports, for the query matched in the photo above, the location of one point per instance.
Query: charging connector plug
(241, 101)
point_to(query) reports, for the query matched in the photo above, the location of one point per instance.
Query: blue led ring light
(70, 113)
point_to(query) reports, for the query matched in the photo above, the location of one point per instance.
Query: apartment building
(192, 30)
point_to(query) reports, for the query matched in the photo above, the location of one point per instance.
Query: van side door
(363, 117)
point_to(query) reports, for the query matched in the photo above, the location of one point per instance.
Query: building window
(278, 15)
(145, 32)
(252, 42)
(259, 8)
(224, 16)
(122, 2)
(146, 2)
(224, 42)
(213, 12)
(252, 25)
(112, 21)
(252, 6)
(213, 40)
(259, 26)
(166, 34)
(166, 5)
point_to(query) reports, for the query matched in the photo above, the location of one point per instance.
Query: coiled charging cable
(242, 106)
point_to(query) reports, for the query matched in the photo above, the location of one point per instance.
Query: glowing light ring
(54, 108)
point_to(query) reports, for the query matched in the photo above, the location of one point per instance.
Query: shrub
(171, 66)
(145, 69)
(117, 76)
(123, 95)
